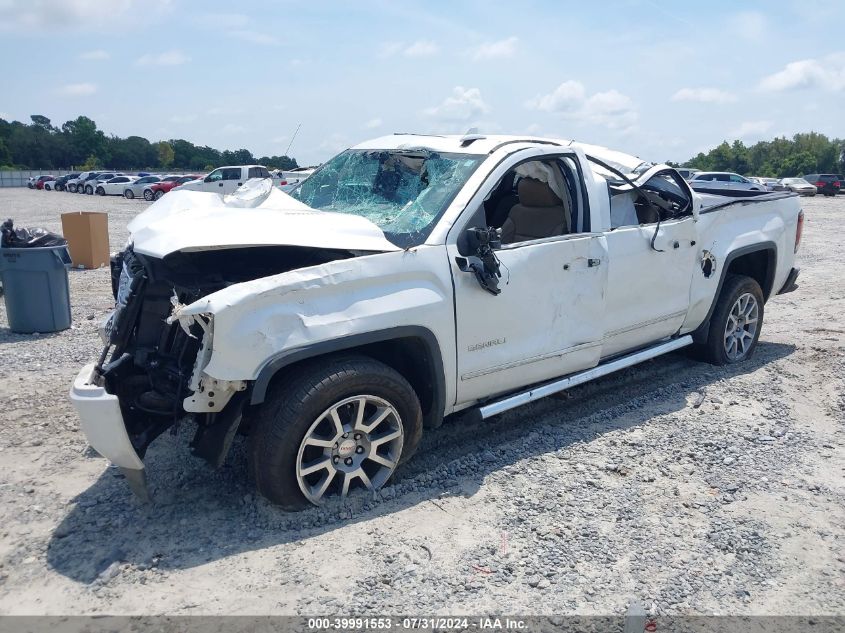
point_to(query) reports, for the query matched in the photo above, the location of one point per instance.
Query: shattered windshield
(403, 191)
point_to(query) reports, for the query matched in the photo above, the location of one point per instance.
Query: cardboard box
(87, 235)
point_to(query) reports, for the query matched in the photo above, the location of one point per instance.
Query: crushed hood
(257, 215)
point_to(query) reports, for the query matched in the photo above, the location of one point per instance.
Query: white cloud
(372, 124)
(610, 108)
(462, 105)
(168, 58)
(502, 49)
(703, 95)
(255, 37)
(751, 129)
(420, 48)
(94, 55)
(567, 97)
(36, 15)
(78, 90)
(183, 118)
(827, 73)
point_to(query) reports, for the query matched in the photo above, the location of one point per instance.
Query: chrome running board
(535, 393)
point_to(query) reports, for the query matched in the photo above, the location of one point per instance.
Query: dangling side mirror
(483, 263)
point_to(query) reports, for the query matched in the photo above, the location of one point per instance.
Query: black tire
(72, 188)
(149, 196)
(735, 286)
(128, 194)
(291, 408)
(89, 190)
(100, 191)
(158, 194)
(46, 187)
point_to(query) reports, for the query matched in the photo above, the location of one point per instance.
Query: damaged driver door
(542, 317)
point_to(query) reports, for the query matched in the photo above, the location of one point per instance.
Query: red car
(157, 189)
(39, 182)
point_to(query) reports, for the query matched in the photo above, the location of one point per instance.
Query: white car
(224, 180)
(409, 278)
(290, 179)
(135, 189)
(90, 186)
(722, 181)
(73, 185)
(800, 186)
(114, 186)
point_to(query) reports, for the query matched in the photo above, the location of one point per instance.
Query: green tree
(165, 154)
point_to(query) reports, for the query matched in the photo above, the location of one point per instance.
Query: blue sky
(660, 79)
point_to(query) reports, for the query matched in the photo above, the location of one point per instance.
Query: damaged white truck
(409, 278)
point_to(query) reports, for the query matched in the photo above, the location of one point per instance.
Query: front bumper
(102, 423)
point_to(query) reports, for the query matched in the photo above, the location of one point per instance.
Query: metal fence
(19, 177)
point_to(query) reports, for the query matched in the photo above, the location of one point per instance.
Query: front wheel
(72, 188)
(89, 190)
(736, 321)
(148, 195)
(334, 427)
(159, 194)
(100, 191)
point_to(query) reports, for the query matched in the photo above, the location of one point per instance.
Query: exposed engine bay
(150, 360)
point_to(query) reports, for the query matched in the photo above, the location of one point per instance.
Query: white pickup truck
(225, 180)
(409, 278)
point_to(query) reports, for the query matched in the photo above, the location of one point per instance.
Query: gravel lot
(689, 488)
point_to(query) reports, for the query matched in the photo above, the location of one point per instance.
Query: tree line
(79, 144)
(805, 153)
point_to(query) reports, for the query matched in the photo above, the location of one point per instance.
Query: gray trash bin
(35, 288)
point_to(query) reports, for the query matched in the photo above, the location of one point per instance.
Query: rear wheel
(158, 194)
(128, 194)
(736, 321)
(89, 190)
(335, 427)
(71, 188)
(148, 195)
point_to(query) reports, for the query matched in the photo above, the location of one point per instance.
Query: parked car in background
(47, 183)
(841, 182)
(31, 182)
(827, 184)
(800, 186)
(77, 185)
(91, 185)
(135, 189)
(721, 181)
(39, 182)
(158, 189)
(61, 181)
(687, 172)
(773, 184)
(292, 178)
(114, 186)
(225, 180)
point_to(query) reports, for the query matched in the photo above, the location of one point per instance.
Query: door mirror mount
(483, 263)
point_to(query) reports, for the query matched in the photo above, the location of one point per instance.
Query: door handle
(676, 244)
(220, 184)
(240, 184)
(593, 262)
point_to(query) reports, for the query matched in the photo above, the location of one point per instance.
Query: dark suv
(828, 184)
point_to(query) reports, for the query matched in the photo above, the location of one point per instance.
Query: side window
(662, 197)
(232, 173)
(214, 176)
(735, 178)
(721, 177)
(254, 173)
(535, 200)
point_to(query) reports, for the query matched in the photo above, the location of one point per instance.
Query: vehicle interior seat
(540, 213)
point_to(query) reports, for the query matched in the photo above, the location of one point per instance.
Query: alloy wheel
(741, 326)
(356, 442)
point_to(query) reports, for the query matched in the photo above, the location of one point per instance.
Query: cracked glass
(404, 192)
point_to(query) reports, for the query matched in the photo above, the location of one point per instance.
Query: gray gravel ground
(689, 488)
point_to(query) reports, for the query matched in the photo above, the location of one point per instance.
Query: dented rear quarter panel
(256, 321)
(745, 225)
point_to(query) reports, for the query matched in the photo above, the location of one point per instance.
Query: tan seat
(540, 213)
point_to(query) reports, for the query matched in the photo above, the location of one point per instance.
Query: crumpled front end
(149, 377)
